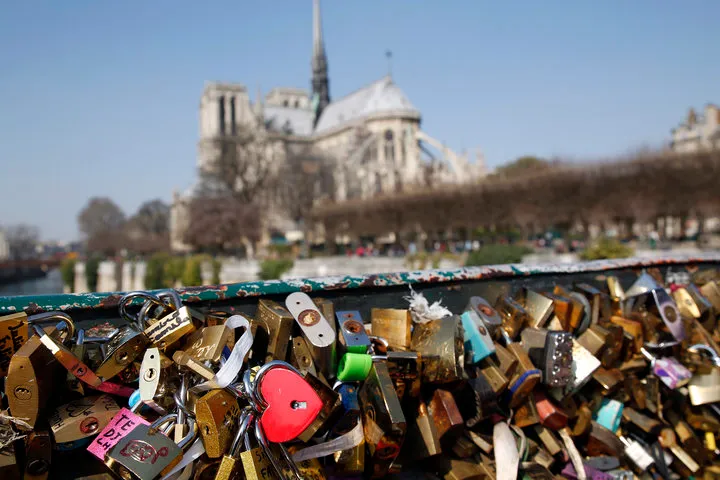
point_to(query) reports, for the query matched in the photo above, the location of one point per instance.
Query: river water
(50, 283)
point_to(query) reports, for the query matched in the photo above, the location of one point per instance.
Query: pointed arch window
(389, 147)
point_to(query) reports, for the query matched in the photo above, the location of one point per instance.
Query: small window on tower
(297, 103)
(233, 127)
(389, 147)
(221, 114)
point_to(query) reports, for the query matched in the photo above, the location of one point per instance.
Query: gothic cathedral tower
(320, 80)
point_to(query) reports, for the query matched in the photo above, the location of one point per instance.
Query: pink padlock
(120, 425)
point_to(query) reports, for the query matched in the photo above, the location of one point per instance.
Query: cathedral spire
(320, 80)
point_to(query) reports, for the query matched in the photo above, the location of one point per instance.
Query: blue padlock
(609, 414)
(478, 343)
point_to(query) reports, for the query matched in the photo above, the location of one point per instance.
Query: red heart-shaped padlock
(292, 405)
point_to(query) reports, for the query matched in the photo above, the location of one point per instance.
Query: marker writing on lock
(162, 328)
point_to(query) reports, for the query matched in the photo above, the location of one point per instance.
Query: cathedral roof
(381, 96)
(296, 121)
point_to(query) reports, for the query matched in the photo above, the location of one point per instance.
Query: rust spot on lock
(309, 318)
(89, 425)
(353, 326)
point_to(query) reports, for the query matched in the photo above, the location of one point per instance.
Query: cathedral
(373, 135)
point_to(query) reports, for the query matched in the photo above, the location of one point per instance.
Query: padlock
(317, 330)
(216, 413)
(301, 358)
(478, 342)
(551, 416)
(661, 304)
(73, 365)
(552, 352)
(632, 328)
(609, 414)
(504, 360)
(153, 377)
(383, 420)
(118, 427)
(38, 455)
(583, 366)
(527, 375)
(325, 356)
(495, 378)
(146, 452)
(205, 468)
(393, 325)
(608, 379)
(548, 439)
(449, 422)
(583, 421)
(207, 343)
(13, 335)
(423, 435)
(34, 376)
(490, 317)
(405, 370)
(282, 420)
(328, 414)
(576, 305)
(539, 307)
(476, 399)
(668, 439)
(121, 350)
(689, 441)
(635, 452)
(167, 332)
(600, 305)
(702, 420)
(463, 469)
(352, 335)
(81, 419)
(526, 414)
(14, 332)
(603, 342)
(184, 360)
(351, 461)
(671, 372)
(78, 349)
(253, 462)
(703, 388)
(602, 441)
(514, 316)
(440, 345)
(275, 323)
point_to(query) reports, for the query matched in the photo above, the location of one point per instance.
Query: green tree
(192, 274)
(67, 270)
(92, 265)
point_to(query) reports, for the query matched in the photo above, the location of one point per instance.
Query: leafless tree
(103, 222)
(559, 194)
(22, 240)
(218, 225)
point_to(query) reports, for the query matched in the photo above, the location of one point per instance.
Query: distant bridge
(17, 270)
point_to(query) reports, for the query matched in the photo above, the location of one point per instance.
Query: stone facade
(698, 132)
(373, 135)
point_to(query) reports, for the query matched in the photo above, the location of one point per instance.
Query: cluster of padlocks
(578, 382)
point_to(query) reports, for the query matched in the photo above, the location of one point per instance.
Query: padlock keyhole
(296, 405)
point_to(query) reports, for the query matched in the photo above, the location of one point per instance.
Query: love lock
(286, 402)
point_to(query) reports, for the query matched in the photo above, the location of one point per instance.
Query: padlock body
(143, 454)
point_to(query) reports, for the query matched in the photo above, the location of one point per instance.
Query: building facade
(697, 132)
(373, 136)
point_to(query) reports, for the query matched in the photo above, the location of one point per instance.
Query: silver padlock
(146, 453)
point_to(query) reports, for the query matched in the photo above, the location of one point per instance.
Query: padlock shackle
(255, 391)
(244, 421)
(128, 298)
(260, 435)
(53, 317)
(701, 347)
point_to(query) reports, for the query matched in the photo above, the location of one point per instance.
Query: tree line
(533, 195)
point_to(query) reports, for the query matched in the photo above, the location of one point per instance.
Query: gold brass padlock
(440, 345)
(207, 343)
(350, 461)
(33, 376)
(393, 325)
(82, 418)
(514, 316)
(167, 332)
(14, 332)
(275, 323)
(122, 349)
(426, 439)
(383, 420)
(216, 413)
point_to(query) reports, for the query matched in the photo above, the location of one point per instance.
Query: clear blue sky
(101, 97)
